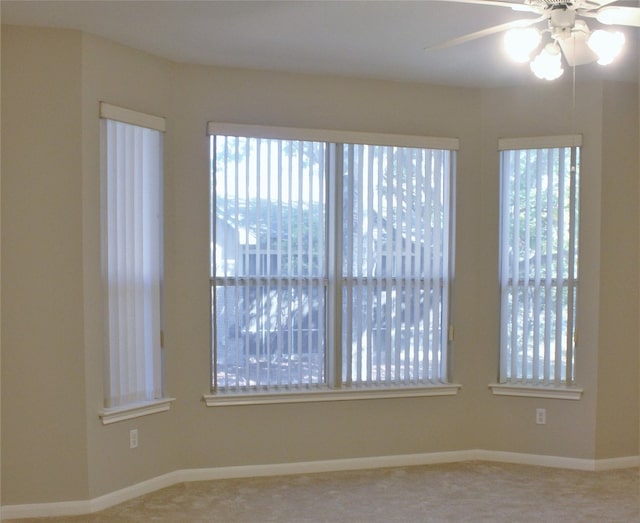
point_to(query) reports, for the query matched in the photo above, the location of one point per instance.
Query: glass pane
(539, 263)
(394, 336)
(132, 244)
(268, 197)
(268, 336)
(537, 340)
(395, 264)
(268, 261)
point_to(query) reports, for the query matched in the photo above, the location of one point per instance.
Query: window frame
(545, 387)
(124, 410)
(332, 390)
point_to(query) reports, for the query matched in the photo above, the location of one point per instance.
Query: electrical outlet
(541, 416)
(133, 438)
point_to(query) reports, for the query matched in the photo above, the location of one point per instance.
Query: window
(330, 260)
(131, 192)
(539, 260)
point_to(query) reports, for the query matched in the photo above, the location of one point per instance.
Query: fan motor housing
(562, 18)
(551, 4)
(561, 22)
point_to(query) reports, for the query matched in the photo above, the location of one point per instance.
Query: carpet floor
(460, 492)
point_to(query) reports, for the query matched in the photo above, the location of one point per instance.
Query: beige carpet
(462, 492)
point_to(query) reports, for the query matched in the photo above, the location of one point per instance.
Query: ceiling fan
(566, 31)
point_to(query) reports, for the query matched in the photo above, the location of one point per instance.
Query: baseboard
(536, 460)
(334, 465)
(74, 508)
(40, 510)
(139, 489)
(617, 463)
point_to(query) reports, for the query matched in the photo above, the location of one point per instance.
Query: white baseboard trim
(536, 460)
(334, 465)
(74, 508)
(617, 463)
(41, 510)
(139, 489)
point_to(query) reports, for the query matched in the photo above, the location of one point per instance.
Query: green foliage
(540, 209)
(298, 238)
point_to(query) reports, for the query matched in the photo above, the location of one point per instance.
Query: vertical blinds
(396, 235)
(539, 262)
(268, 268)
(132, 257)
(330, 262)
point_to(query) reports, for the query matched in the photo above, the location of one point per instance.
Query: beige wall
(128, 78)
(279, 433)
(617, 376)
(55, 448)
(44, 436)
(544, 109)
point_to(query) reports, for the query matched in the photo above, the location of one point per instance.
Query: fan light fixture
(606, 44)
(569, 39)
(519, 43)
(548, 64)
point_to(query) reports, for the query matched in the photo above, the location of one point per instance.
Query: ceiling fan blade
(485, 32)
(618, 15)
(602, 3)
(496, 3)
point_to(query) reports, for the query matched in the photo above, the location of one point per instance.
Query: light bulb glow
(548, 64)
(519, 43)
(606, 44)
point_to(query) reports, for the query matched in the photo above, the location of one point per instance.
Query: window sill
(134, 410)
(222, 399)
(558, 392)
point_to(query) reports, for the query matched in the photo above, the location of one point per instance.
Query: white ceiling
(366, 39)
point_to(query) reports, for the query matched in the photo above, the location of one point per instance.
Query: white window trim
(540, 142)
(121, 114)
(564, 392)
(119, 413)
(134, 410)
(222, 398)
(325, 394)
(325, 135)
(557, 392)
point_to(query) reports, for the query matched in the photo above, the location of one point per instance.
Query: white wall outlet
(133, 438)
(541, 416)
